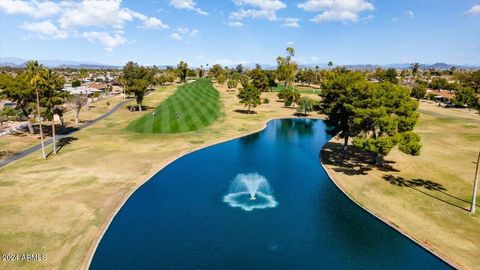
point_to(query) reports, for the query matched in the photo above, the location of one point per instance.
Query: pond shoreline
(452, 263)
(91, 252)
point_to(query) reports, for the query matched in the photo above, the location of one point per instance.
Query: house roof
(441, 93)
(81, 90)
(99, 86)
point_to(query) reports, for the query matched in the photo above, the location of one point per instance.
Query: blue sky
(242, 31)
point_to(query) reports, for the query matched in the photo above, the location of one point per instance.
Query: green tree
(391, 76)
(215, 70)
(239, 68)
(379, 74)
(338, 94)
(259, 79)
(418, 91)
(415, 67)
(139, 89)
(271, 79)
(330, 64)
(182, 70)
(289, 97)
(439, 83)
(7, 114)
(249, 96)
(83, 74)
(466, 96)
(76, 83)
(19, 90)
(221, 78)
(305, 105)
(232, 83)
(384, 117)
(287, 68)
(137, 79)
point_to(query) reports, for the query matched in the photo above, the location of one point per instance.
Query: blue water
(178, 219)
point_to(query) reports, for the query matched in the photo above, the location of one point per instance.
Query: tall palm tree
(33, 72)
(123, 81)
(51, 83)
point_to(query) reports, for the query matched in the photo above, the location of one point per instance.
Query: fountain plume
(245, 189)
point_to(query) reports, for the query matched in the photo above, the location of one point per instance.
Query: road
(37, 147)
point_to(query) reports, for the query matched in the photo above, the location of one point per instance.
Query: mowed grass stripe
(203, 109)
(189, 114)
(196, 103)
(191, 117)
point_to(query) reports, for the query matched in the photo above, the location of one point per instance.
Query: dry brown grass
(426, 196)
(19, 141)
(60, 206)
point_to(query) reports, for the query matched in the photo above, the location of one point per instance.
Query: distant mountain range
(19, 62)
(437, 66)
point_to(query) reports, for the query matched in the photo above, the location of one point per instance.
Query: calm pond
(199, 213)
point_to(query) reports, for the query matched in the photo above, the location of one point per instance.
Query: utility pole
(475, 186)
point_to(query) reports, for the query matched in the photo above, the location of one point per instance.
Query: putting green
(193, 106)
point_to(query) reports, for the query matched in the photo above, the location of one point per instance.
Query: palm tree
(51, 83)
(123, 81)
(330, 64)
(33, 71)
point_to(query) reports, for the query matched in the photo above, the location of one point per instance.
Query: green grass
(300, 89)
(196, 104)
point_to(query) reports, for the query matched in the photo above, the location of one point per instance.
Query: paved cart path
(38, 146)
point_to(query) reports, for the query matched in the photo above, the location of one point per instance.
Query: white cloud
(235, 24)
(45, 29)
(303, 60)
(194, 32)
(229, 62)
(107, 13)
(183, 33)
(409, 14)
(394, 20)
(291, 22)
(475, 10)
(153, 22)
(32, 8)
(256, 9)
(96, 19)
(336, 10)
(176, 36)
(109, 41)
(367, 18)
(187, 4)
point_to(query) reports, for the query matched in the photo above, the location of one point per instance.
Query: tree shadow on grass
(134, 108)
(354, 162)
(59, 130)
(418, 183)
(62, 143)
(5, 154)
(245, 111)
(299, 114)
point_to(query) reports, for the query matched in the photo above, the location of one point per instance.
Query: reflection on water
(179, 220)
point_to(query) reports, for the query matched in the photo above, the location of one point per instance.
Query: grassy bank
(193, 106)
(426, 196)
